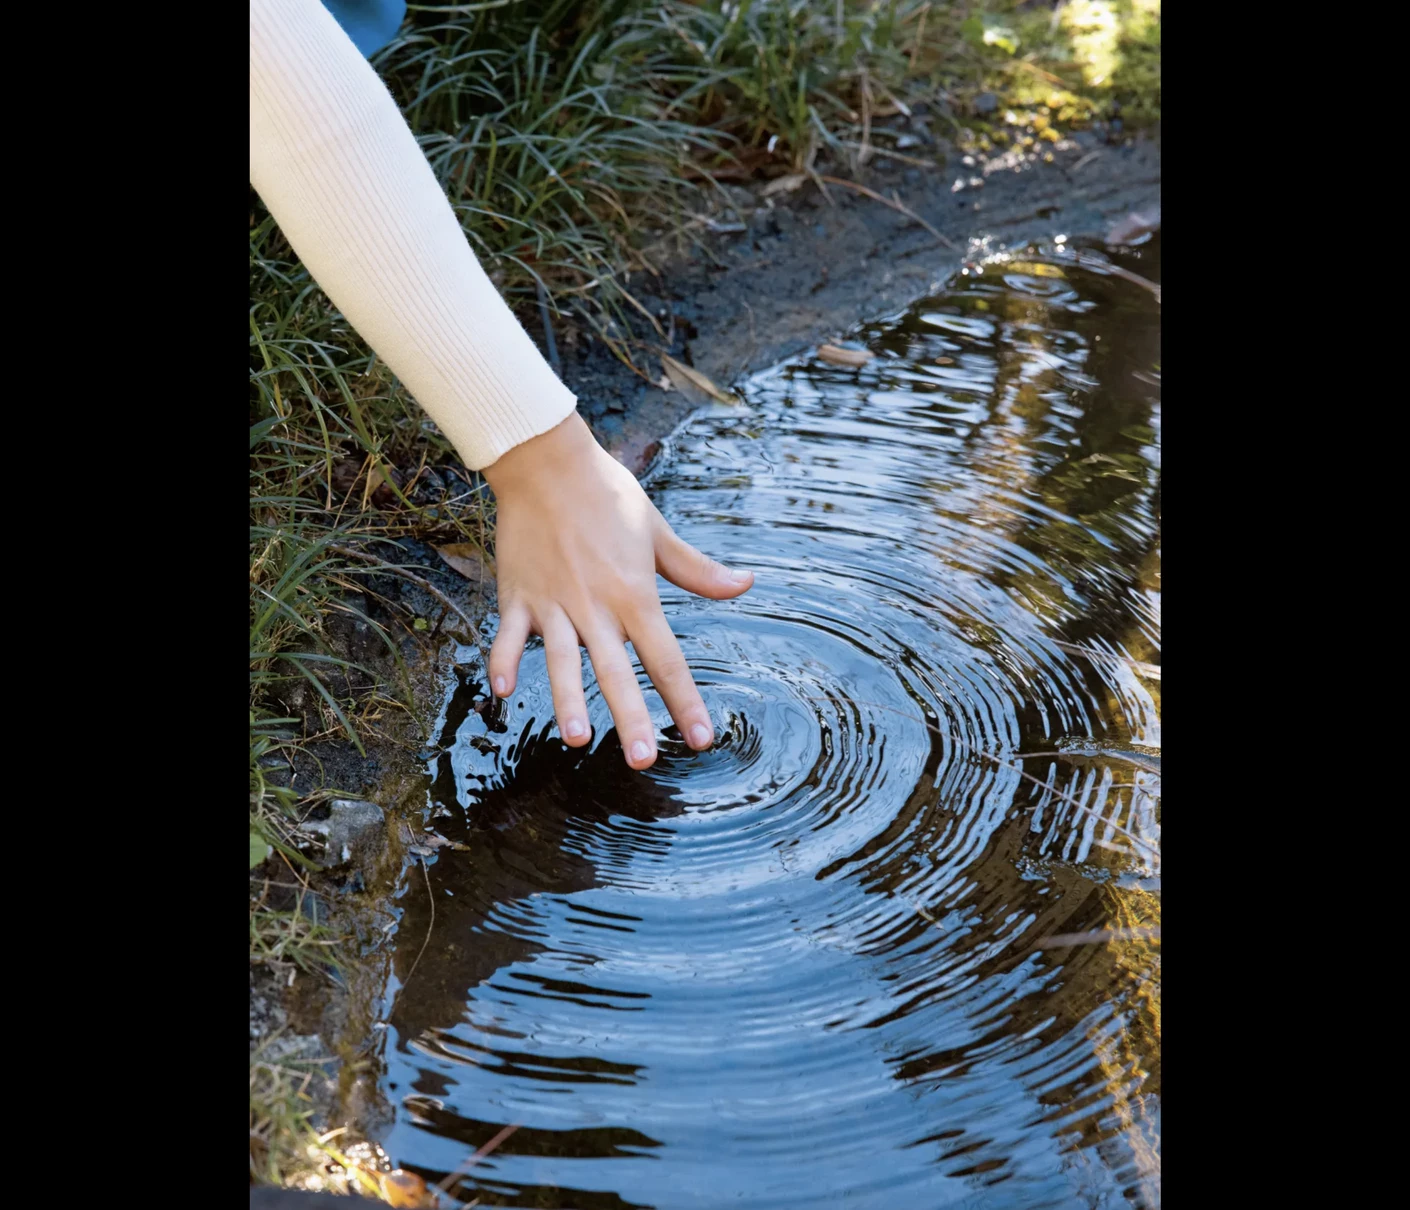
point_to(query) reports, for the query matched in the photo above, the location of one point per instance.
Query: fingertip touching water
(844, 957)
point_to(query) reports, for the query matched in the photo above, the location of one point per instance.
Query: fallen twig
(1102, 266)
(1141, 760)
(1149, 671)
(431, 899)
(444, 1186)
(883, 153)
(1097, 937)
(349, 553)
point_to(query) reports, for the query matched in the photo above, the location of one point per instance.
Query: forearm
(342, 174)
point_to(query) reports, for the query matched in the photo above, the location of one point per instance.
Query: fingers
(661, 657)
(687, 568)
(619, 686)
(508, 647)
(565, 674)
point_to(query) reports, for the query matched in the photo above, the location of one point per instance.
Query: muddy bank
(806, 267)
(767, 277)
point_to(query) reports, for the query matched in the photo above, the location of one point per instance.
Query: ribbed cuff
(344, 177)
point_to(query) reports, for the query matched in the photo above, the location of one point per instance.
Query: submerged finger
(661, 657)
(619, 686)
(565, 675)
(508, 647)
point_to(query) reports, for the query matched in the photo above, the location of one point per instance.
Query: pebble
(351, 825)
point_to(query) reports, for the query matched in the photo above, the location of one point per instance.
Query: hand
(577, 550)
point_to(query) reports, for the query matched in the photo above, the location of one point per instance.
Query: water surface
(810, 967)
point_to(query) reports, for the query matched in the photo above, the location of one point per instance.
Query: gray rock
(352, 827)
(986, 102)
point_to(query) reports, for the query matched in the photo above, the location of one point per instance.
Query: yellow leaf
(844, 357)
(465, 558)
(406, 1189)
(691, 382)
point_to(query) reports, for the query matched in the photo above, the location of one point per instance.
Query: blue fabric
(371, 24)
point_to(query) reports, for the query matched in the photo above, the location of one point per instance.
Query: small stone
(986, 102)
(352, 826)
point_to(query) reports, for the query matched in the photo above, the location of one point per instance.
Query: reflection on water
(808, 967)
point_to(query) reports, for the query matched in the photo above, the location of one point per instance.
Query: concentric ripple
(812, 966)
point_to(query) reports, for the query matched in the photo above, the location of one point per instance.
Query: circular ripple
(809, 962)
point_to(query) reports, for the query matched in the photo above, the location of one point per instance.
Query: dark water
(807, 968)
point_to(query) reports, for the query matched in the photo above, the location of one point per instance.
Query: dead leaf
(407, 1190)
(1134, 226)
(692, 383)
(844, 357)
(425, 844)
(346, 473)
(378, 490)
(784, 184)
(464, 557)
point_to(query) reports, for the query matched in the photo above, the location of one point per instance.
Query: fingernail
(641, 750)
(499, 686)
(700, 736)
(739, 577)
(574, 728)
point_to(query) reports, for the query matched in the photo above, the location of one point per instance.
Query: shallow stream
(842, 958)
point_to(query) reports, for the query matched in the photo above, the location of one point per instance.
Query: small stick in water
(1096, 937)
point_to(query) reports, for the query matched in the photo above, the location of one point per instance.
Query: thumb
(687, 568)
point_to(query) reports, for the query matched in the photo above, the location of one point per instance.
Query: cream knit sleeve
(343, 176)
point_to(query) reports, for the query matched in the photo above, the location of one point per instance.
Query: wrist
(550, 454)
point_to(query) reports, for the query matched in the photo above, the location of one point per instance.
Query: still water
(815, 966)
